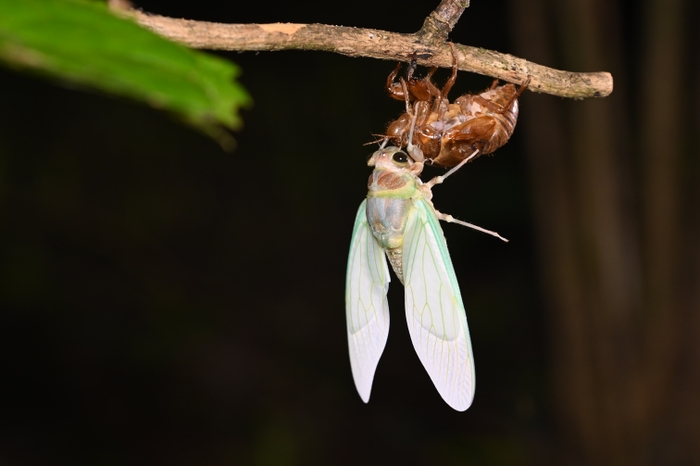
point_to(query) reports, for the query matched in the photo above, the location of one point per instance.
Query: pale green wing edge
(367, 309)
(435, 313)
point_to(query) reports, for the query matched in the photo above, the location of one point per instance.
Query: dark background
(164, 302)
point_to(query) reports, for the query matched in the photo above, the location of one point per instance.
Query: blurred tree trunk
(622, 299)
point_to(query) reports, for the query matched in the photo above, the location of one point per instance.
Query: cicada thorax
(486, 122)
(391, 188)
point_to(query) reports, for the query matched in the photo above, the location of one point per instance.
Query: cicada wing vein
(367, 309)
(435, 313)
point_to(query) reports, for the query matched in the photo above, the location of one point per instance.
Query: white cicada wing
(435, 313)
(367, 309)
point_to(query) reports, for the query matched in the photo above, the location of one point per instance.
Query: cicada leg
(441, 178)
(395, 89)
(520, 90)
(414, 151)
(450, 219)
(453, 77)
(427, 187)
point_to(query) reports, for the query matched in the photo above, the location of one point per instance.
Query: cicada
(398, 220)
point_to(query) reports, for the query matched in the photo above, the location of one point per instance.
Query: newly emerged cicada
(446, 133)
(398, 220)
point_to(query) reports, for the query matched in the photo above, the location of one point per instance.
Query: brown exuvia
(446, 133)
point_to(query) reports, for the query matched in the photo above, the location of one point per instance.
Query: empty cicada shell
(445, 133)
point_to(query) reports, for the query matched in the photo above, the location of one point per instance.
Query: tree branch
(429, 44)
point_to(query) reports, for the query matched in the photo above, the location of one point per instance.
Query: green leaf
(83, 42)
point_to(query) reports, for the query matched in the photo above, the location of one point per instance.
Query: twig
(442, 20)
(429, 44)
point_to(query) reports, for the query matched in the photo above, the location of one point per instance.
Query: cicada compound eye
(400, 158)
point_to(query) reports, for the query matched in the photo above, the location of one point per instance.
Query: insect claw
(520, 90)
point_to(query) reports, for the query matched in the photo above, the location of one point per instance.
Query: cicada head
(391, 159)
